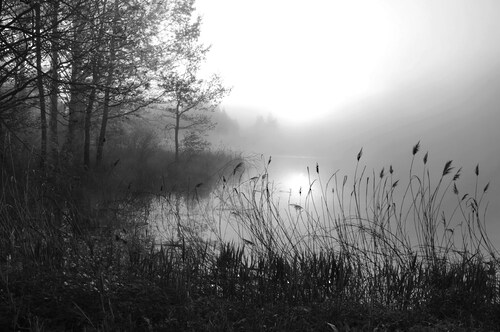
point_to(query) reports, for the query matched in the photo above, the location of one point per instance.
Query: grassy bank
(369, 252)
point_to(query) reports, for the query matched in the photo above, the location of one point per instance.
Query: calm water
(291, 178)
(294, 173)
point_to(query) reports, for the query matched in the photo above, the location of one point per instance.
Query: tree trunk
(76, 105)
(102, 132)
(88, 117)
(107, 91)
(41, 93)
(176, 131)
(54, 91)
(76, 109)
(96, 65)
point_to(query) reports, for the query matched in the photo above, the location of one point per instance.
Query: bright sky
(302, 60)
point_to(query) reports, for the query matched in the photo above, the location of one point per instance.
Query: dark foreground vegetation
(74, 246)
(66, 265)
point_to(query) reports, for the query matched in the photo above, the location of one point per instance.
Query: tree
(54, 84)
(132, 58)
(191, 101)
(97, 58)
(17, 64)
(194, 143)
(111, 53)
(41, 90)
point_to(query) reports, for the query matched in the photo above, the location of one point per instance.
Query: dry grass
(356, 255)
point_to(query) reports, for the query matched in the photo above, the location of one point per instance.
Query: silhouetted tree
(191, 101)
(98, 61)
(18, 74)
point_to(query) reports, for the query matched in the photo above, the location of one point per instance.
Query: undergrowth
(357, 254)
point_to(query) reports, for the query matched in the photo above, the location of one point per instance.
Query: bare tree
(41, 90)
(54, 84)
(17, 63)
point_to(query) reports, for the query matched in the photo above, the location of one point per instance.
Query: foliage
(187, 97)
(194, 143)
(83, 64)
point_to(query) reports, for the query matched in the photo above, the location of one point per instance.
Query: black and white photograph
(250, 165)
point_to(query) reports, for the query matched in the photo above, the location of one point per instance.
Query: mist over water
(406, 72)
(455, 121)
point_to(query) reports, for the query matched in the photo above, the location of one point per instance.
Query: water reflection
(295, 201)
(296, 183)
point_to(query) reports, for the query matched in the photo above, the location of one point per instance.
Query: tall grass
(369, 240)
(372, 213)
(355, 254)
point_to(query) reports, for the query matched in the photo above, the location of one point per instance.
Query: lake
(303, 202)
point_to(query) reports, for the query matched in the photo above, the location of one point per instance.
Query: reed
(369, 252)
(369, 240)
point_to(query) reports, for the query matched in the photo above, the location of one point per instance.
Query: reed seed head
(447, 167)
(360, 153)
(416, 148)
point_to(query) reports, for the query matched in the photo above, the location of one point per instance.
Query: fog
(317, 83)
(453, 119)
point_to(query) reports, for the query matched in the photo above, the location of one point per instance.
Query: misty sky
(302, 61)
(329, 77)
